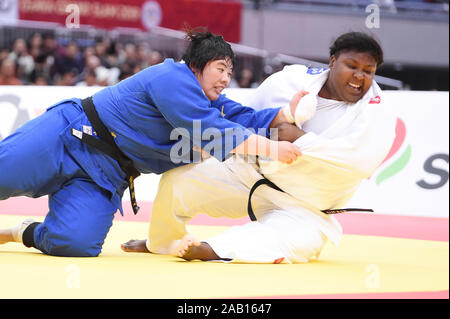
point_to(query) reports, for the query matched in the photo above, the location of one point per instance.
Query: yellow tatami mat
(360, 265)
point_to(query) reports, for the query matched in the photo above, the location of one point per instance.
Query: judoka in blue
(84, 185)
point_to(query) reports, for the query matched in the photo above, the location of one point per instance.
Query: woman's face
(351, 75)
(215, 77)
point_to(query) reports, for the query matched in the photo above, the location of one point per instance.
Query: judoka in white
(343, 141)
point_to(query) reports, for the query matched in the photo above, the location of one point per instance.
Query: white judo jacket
(334, 162)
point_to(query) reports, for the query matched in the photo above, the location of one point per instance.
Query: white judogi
(344, 144)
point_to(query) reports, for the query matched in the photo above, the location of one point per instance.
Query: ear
(332, 61)
(195, 71)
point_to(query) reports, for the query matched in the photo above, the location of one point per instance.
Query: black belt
(106, 144)
(265, 181)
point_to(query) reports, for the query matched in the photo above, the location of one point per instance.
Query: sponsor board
(221, 17)
(413, 179)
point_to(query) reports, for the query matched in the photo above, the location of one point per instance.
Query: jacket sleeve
(256, 121)
(181, 101)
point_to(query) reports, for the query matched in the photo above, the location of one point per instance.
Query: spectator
(154, 58)
(120, 53)
(107, 76)
(112, 55)
(92, 62)
(67, 79)
(35, 44)
(24, 60)
(3, 54)
(69, 60)
(130, 53)
(49, 48)
(126, 70)
(90, 79)
(8, 73)
(36, 41)
(41, 70)
(142, 55)
(40, 80)
(100, 49)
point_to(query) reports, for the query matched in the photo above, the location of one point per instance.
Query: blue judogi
(85, 186)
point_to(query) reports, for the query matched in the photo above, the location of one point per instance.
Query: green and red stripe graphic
(400, 163)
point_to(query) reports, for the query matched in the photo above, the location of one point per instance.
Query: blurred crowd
(40, 60)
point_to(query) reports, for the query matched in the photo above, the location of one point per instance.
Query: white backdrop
(412, 181)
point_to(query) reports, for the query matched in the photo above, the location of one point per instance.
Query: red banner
(221, 17)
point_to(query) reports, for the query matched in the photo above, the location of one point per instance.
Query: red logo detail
(375, 100)
(400, 134)
(278, 261)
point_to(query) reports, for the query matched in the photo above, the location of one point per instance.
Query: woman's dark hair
(205, 47)
(359, 42)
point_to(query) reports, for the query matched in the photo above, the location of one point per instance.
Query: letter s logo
(429, 168)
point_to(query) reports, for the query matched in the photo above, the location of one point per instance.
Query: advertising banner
(221, 17)
(412, 180)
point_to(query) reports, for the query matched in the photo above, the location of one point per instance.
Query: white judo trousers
(219, 190)
(290, 226)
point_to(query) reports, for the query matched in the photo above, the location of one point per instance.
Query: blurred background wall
(413, 34)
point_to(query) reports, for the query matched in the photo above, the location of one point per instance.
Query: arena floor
(379, 256)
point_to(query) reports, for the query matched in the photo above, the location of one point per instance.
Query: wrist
(288, 114)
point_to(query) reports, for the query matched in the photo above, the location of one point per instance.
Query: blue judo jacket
(143, 111)
(150, 113)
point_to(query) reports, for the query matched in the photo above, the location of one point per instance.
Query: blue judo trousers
(85, 186)
(35, 161)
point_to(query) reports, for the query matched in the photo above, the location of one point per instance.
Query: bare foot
(135, 246)
(179, 247)
(6, 236)
(14, 234)
(190, 248)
